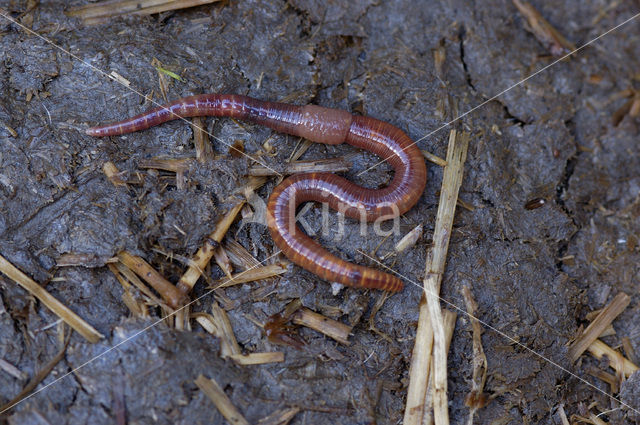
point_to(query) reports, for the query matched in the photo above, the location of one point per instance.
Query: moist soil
(535, 273)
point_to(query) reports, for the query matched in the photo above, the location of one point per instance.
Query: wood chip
(114, 175)
(204, 151)
(409, 240)
(331, 328)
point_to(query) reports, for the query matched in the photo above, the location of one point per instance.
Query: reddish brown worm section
(321, 125)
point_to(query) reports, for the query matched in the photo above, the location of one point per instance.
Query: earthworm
(321, 125)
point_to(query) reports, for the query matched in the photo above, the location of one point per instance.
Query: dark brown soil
(535, 273)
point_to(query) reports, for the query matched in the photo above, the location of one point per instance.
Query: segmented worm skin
(321, 125)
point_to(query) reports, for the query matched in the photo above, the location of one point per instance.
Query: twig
(166, 289)
(72, 319)
(434, 158)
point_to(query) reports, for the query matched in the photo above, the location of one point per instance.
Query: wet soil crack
(562, 188)
(510, 117)
(461, 36)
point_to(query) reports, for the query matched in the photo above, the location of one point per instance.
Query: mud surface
(535, 273)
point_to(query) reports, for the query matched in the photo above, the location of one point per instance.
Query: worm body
(321, 125)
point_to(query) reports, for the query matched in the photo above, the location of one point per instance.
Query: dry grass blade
(546, 34)
(175, 165)
(449, 326)
(126, 277)
(330, 165)
(204, 254)
(419, 368)
(96, 13)
(434, 269)
(331, 328)
(71, 259)
(606, 377)
(220, 400)
(239, 255)
(563, 415)
(599, 324)
(409, 240)
(257, 358)
(251, 275)
(223, 330)
(222, 260)
(69, 317)
(12, 370)
(204, 151)
(280, 417)
(622, 366)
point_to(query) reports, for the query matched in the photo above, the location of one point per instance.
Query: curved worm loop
(321, 125)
